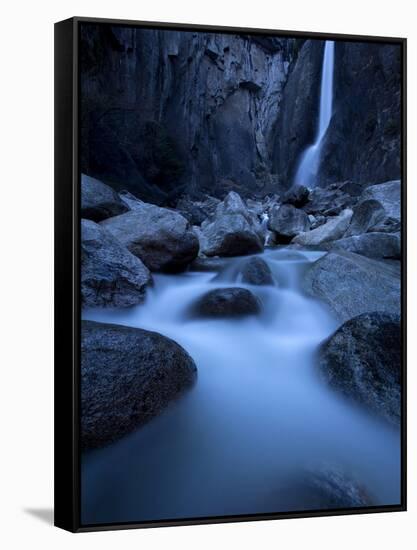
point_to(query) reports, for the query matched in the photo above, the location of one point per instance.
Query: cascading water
(258, 416)
(310, 159)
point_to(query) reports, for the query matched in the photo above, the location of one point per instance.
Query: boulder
(196, 211)
(128, 376)
(328, 201)
(366, 215)
(332, 230)
(323, 488)
(362, 360)
(351, 284)
(99, 201)
(161, 238)
(256, 271)
(372, 245)
(388, 194)
(297, 196)
(287, 221)
(110, 275)
(233, 230)
(226, 302)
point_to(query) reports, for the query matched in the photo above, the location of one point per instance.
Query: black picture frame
(67, 275)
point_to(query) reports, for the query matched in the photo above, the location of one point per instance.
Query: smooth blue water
(310, 158)
(257, 416)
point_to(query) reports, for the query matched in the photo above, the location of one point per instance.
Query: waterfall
(310, 159)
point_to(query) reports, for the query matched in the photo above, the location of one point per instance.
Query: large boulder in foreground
(362, 360)
(373, 245)
(128, 375)
(325, 488)
(110, 275)
(286, 222)
(232, 231)
(351, 284)
(255, 271)
(99, 201)
(332, 230)
(161, 238)
(226, 302)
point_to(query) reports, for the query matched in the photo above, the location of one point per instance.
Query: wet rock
(362, 361)
(287, 222)
(227, 302)
(297, 196)
(110, 275)
(351, 284)
(388, 194)
(99, 201)
(161, 238)
(366, 215)
(332, 230)
(208, 264)
(256, 271)
(372, 245)
(128, 376)
(233, 231)
(325, 488)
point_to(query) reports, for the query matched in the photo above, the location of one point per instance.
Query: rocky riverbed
(234, 347)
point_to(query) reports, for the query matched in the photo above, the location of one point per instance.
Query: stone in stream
(110, 275)
(232, 231)
(128, 376)
(99, 201)
(332, 230)
(161, 238)
(373, 245)
(256, 271)
(287, 221)
(351, 284)
(226, 302)
(362, 360)
(322, 488)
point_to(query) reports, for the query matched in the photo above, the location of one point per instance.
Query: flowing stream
(310, 159)
(258, 415)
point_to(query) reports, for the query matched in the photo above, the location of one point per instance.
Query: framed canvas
(230, 237)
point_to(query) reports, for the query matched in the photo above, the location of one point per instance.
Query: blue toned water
(257, 416)
(310, 159)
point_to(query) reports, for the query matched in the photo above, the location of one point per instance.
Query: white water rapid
(310, 158)
(257, 417)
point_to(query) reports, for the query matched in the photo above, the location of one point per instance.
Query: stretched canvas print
(238, 240)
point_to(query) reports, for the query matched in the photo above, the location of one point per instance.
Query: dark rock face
(287, 222)
(161, 238)
(233, 230)
(351, 284)
(110, 276)
(372, 245)
(325, 488)
(99, 201)
(128, 376)
(196, 211)
(362, 360)
(367, 92)
(167, 109)
(298, 196)
(330, 201)
(255, 271)
(227, 302)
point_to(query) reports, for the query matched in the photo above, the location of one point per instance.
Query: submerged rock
(351, 284)
(233, 231)
(372, 245)
(161, 238)
(256, 271)
(227, 302)
(362, 360)
(128, 375)
(287, 221)
(332, 230)
(110, 274)
(326, 488)
(98, 200)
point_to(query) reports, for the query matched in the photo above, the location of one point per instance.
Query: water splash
(310, 159)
